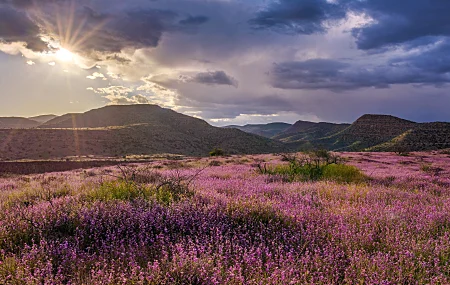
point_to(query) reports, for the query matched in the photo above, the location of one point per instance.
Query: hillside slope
(365, 132)
(149, 129)
(17, 123)
(265, 130)
(58, 119)
(426, 136)
(43, 118)
(308, 131)
(370, 130)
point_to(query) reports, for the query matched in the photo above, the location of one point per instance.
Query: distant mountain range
(265, 130)
(368, 133)
(116, 131)
(24, 123)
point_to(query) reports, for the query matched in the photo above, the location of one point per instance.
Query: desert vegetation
(367, 219)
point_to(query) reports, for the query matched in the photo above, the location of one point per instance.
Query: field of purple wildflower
(220, 221)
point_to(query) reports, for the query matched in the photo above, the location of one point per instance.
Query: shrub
(401, 150)
(118, 190)
(342, 173)
(215, 163)
(318, 165)
(217, 152)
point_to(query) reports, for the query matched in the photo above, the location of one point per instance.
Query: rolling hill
(309, 131)
(116, 131)
(17, 123)
(265, 130)
(43, 118)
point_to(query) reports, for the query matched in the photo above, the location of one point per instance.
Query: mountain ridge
(116, 131)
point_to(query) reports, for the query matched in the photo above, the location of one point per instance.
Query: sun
(64, 55)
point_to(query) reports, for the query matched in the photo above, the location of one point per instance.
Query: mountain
(370, 130)
(43, 118)
(126, 130)
(17, 123)
(116, 131)
(366, 132)
(308, 131)
(119, 115)
(426, 136)
(265, 130)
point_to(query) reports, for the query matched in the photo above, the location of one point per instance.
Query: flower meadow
(219, 221)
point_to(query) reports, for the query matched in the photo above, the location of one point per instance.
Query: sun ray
(70, 21)
(89, 35)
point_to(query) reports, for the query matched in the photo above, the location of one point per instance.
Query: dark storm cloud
(91, 28)
(435, 59)
(194, 20)
(293, 16)
(214, 78)
(401, 21)
(16, 26)
(338, 76)
(394, 22)
(110, 32)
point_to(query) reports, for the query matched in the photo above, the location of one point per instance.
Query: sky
(228, 61)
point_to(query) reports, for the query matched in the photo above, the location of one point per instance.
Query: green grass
(121, 190)
(117, 190)
(333, 172)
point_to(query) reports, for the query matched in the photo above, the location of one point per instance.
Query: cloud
(338, 76)
(96, 75)
(16, 26)
(185, 54)
(401, 21)
(140, 99)
(90, 28)
(302, 17)
(214, 78)
(392, 23)
(194, 20)
(120, 95)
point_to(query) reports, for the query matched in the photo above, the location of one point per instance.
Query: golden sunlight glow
(64, 55)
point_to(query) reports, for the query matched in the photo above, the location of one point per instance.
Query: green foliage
(245, 213)
(217, 152)
(215, 163)
(342, 173)
(426, 167)
(8, 267)
(163, 189)
(318, 165)
(118, 190)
